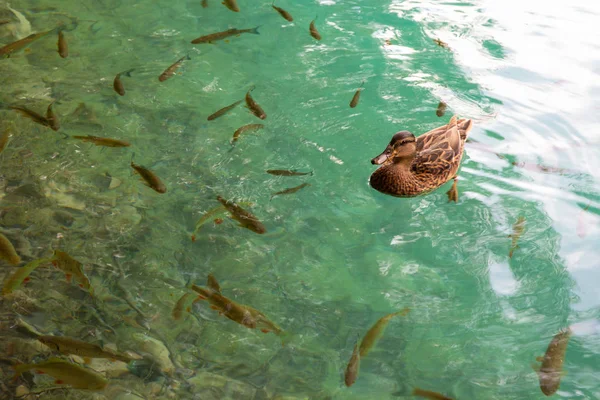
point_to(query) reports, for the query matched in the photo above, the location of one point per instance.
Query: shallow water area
(336, 255)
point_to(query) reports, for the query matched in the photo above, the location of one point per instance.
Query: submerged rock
(210, 386)
(157, 350)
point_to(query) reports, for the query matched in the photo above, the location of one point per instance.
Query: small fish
(184, 303)
(249, 127)
(204, 3)
(7, 50)
(286, 15)
(212, 283)
(4, 138)
(242, 216)
(426, 394)
(285, 172)
(441, 109)
(4, 21)
(67, 345)
(118, 83)
(52, 118)
(100, 141)
(72, 269)
(224, 110)
(21, 275)
(254, 107)
(313, 30)
(581, 222)
(356, 97)
(441, 43)
(290, 190)
(169, 72)
(66, 373)
(213, 37)
(518, 229)
(63, 47)
(207, 216)
(231, 4)
(150, 178)
(8, 252)
(32, 115)
(552, 362)
(376, 332)
(353, 367)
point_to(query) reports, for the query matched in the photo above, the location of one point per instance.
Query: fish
(313, 30)
(441, 109)
(52, 118)
(8, 252)
(290, 190)
(169, 72)
(207, 216)
(204, 3)
(118, 83)
(72, 269)
(254, 107)
(4, 21)
(231, 4)
(184, 303)
(356, 97)
(427, 394)
(63, 47)
(245, 219)
(377, 330)
(286, 15)
(353, 366)
(242, 314)
(285, 172)
(518, 229)
(212, 283)
(101, 141)
(4, 138)
(67, 345)
(224, 110)
(150, 178)
(21, 275)
(551, 369)
(32, 115)
(65, 373)
(10, 48)
(213, 37)
(441, 43)
(581, 222)
(249, 127)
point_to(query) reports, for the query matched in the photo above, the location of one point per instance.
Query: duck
(412, 166)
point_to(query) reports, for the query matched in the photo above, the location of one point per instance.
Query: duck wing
(444, 153)
(427, 140)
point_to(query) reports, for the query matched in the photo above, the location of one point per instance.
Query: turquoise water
(337, 255)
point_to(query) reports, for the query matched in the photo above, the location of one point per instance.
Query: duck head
(402, 147)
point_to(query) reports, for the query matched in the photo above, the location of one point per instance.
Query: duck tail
(464, 127)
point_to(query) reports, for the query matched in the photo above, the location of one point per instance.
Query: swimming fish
(118, 83)
(63, 47)
(150, 178)
(8, 252)
(552, 362)
(290, 190)
(356, 97)
(72, 269)
(231, 4)
(242, 216)
(207, 216)
(204, 3)
(169, 72)
(518, 229)
(184, 303)
(426, 394)
(377, 330)
(353, 366)
(21, 275)
(285, 172)
(441, 43)
(100, 141)
(10, 48)
(32, 115)
(66, 373)
(212, 283)
(441, 109)
(249, 127)
(213, 37)
(224, 110)
(286, 15)
(4, 138)
(52, 118)
(242, 314)
(313, 30)
(67, 345)
(254, 107)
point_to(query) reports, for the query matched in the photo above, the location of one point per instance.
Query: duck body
(412, 166)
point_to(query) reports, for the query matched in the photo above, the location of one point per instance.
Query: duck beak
(382, 158)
